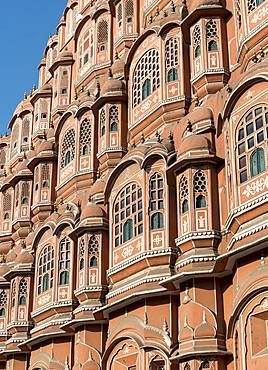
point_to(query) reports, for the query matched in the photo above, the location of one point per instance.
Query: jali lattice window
(102, 122)
(45, 177)
(25, 193)
(64, 261)
(45, 269)
(119, 14)
(23, 290)
(212, 35)
(113, 118)
(3, 303)
(146, 76)
(93, 251)
(184, 194)
(85, 137)
(128, 214)
(82, 254)
(102, 35)
(252, 142)
(196, 41)
(200, 189)
(172, 46)
(238, 13)
(129, 11)
(7, 204)
(67, 148)
(253, 4)
(156, 201)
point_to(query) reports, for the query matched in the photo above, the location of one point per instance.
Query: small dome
(200, 114)
(97, 187)
(92, 210)
(11, 256)
(24, 258)
(193, 143)
(113, 87)
(205, 330)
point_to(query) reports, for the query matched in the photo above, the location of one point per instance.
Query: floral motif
(256, 187)
(262, 13)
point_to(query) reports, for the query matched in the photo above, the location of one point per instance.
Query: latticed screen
(197, 41)
(23, 290)
(172, 52)
(68, 148)
(102, 35)
(253, 4)
(45, 269)
(114, 118)
(184, 194)
(200, 189)
(64, 261)
(148, 67)
(128, 214)
(85, 137)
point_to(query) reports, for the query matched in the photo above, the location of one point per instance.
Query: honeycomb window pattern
(82, 254)
(85, 136)
(172, 47)
(23, 290)
(200, 189)
(102, 35)
(196, 36)
(68, 145)
(113, 118)
(128, 207)
(45, 270)
(184, 194)
(253, 4)
(64, 261)
(252, 134)
(148, 67)
(129, 10)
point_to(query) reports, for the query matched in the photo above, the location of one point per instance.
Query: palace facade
(134, 192)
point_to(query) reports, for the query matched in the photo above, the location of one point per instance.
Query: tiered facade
(134, 192)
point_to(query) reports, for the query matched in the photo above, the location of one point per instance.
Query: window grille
(253, 4)
(93, 251)
(148, 67)
(184, 194)
(113, 118)
(212, 34)
(7, 201)
(45, 272)
(102, 121)
(197, 41)
(128, 214)
(85, 137)
(238, 13)
(3, 303)
(64, 261)
(45, 177)
(23, 292)
(13, 294)
(2, 156)
(82, 254)
(156, 188)
(119, 14)
(68, 148)
(200, 189)
(129, 11)
(252, 140)
(102, 35)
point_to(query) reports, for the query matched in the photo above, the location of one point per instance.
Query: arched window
(25, 201)
(7, 199)
(93, 251)
(85, 137)
(257, 162)
(252, 135)
(23, 292)
(82, 254)
(13, 294)
(253, 4)
(238, 14)
(172, 60)
(204, 365)
(3, 303)
(129, 11)
(156, 191)
(197, 41)
(45, 176)
(187, 367)
(25, 192)
(113, 118)
(68, 148)
(212, 35)
(102, 122)
(128, 214)
(45, 269)
(64, 261)
(119, 14)
(157, 221)
(102, 35)
(200, 189)
(148, 66)
(146, 88)
(184, 194)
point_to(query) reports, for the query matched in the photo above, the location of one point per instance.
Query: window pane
(260, 137)
(258, 111)
(241, 134)
(259, 122)
(249, 117)
(242, 162)
(250, 129)
(250, 142)
(243, 176)
(241, 148)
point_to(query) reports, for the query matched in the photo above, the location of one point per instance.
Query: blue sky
(24, 28)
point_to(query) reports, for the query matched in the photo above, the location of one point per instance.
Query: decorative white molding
(256, 187)
(193, 235)
(191, 259)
